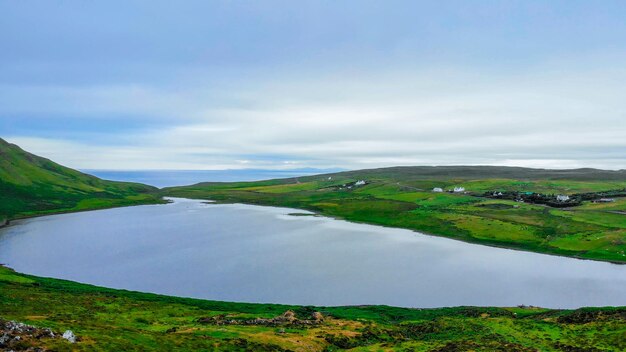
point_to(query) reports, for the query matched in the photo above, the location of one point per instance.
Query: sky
(210, 85)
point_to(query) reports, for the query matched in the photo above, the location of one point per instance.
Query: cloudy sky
(292, 84)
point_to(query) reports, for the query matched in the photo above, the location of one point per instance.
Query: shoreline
(127, 320)
(481, 243)
(8, 222)
(101, 288)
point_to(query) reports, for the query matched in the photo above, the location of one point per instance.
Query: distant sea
(168, 178)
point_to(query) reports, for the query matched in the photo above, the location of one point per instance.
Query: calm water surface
(262, 254)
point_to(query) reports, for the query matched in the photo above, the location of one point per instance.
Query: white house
(438, 189)
(459, 189)
(562, 198)
(360, 183)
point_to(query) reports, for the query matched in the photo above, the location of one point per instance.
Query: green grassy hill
(31, 185)
(403, 197)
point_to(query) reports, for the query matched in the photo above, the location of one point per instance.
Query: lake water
(261, 254)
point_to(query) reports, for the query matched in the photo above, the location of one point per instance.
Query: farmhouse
(562, 198)
(438, 189)
(459, 189)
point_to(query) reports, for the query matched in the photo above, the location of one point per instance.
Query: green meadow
(403, 197)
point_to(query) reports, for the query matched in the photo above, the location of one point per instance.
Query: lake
(260, 254)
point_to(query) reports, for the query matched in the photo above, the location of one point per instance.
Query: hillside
(31, 185)
(404, 197)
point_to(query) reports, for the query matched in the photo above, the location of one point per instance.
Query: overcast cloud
(283, 84)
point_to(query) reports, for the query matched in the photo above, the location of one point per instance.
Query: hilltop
(32, 185)
(466, 172)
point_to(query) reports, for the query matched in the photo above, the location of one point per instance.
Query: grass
(31, 185)
(402, 197)
(117, 320)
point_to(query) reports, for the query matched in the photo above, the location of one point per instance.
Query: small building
(330, 178)
(562, 198)
(459, 189)
(438, 189)
(497, 194)
(360, 183)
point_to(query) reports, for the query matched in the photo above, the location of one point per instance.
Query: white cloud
(544, 118)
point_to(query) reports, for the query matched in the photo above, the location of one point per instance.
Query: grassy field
(31, 185)
(115, 320)
(403, 197)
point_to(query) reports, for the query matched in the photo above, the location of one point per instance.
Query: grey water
(260, 254)
(169, 178)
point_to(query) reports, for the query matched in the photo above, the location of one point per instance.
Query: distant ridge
(479, 172)
(460, 172)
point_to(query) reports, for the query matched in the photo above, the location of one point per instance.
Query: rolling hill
(32, 185)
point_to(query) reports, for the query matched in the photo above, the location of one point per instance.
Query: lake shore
(591, 231)
(264, 238)
(123, 320)
(425, 233)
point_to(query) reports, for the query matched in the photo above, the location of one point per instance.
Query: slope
(31, 185)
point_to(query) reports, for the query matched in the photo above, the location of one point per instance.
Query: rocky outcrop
(288, 318)
(317, 316)
(16, 336)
